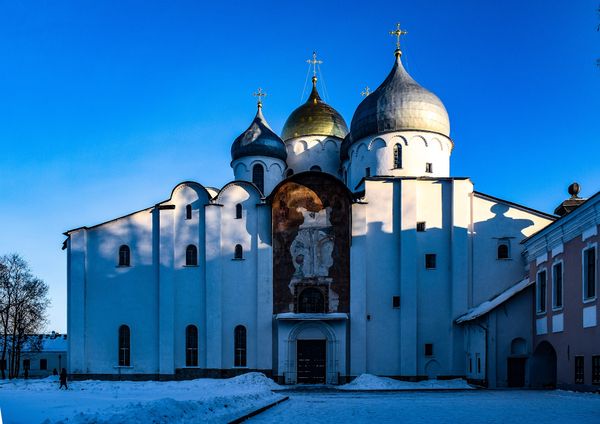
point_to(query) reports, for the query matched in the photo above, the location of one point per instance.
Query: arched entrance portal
(312, 353)
(543, 366)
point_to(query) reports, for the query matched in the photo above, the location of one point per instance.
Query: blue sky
(106, 106)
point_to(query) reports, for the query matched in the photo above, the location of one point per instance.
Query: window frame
(240, 350)
(397, 156)
(429, 167)
(538, 291)
(260, 183)
(423, 225)
(188, 256)
(596, 370)
(238, 252)
(503, 242)
(584, 273)
(239, 211)
(579, 376)
(555, 306)
(191, 349)
(124, 261)
(188, 212)
(396, 302)
(124, 349)
(428, 349)
(427, 264)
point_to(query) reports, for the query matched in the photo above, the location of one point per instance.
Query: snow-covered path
(477, 406)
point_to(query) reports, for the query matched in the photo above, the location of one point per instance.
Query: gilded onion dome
(314, 117)
(398, 104)
(258, 140)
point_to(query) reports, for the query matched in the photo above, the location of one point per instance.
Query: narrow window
(589, 273)
(421, 226)
(557, 286)
(258, 177)
(315, 168)
(470, 364)
(367, 172)
(579, 370)
(541, 292)
(43, 364)
(191, 346)
(398, 156)
(428, 349)
(430, 261)
(478, 364)
(395, 301)
(238, 211)
(191, 255)
(240, 346)
(311, 301)
(429, 167)
(124, 346)
(124, 255)
(188, 212)
(503, 249)
(289, 173)
(238, 253)
(596, 370)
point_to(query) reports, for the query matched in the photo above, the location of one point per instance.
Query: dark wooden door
(311, 361)
(516, 372)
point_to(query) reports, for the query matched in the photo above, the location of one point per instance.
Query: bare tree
(23, 304)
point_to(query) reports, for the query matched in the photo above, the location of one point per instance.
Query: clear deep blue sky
(106, 106)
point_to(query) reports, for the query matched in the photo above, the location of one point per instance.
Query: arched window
(238, 253)
(238, 211)
(312, 301)
(315, 168)
(124, 256)
(188, 212)
(258, 177)
(503, 250)
(289, 173)
(124, 346)
(240, 346)
(191, 255)
(398, 156)
(191, 346)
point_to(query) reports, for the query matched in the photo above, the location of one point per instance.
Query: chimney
(570, 204)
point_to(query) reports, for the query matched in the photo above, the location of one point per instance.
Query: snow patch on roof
(488, 305)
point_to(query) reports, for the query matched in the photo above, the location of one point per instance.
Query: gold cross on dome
(366, 91)
(398, 33)
(259, 94)
(314, 62)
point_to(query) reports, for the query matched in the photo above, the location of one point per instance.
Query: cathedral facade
(334, 252)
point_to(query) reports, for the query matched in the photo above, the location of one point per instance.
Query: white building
(334, 252)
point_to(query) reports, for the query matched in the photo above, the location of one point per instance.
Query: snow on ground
(372, 382)
(437, 407)
(92, 401)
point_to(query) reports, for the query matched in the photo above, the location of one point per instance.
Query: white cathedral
(333, 252)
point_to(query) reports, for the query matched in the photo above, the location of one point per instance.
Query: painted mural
(311, 245)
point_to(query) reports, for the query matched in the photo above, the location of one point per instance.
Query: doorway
(311, 356)
(516, 372)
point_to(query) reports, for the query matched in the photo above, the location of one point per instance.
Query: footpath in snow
(91, 401)
(372, 382)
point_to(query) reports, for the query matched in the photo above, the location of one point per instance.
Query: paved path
(481, 406)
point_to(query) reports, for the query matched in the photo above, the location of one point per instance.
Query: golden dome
(314, 117)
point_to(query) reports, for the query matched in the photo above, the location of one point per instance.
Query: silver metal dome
(258, 140)
(399, 103)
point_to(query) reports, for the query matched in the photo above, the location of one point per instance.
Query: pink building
(563, 261)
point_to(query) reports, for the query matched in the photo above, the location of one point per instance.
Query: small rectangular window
(430, 261)
(557, 286)
(43, 364)
(396, 301)
(429, 167)
(541, 292)
(589, 273)
(367, 172)
(428, 349)
(503, 249)
(421, 226)
(596, 370)
(579, 370)
(470, 364)
(478, 364)
(26, 364)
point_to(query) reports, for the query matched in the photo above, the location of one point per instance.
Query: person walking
(63, 379)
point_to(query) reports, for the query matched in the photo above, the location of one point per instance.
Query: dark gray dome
(258, 140)
(399, 103)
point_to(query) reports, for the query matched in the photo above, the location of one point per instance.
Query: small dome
(314, 117)
(258, 140)
(399, 103)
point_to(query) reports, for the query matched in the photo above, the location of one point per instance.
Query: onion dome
(258, 140)
(399, 104)
(314, 117)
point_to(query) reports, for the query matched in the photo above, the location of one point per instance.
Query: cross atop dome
(314, 62)
(399, 32)
(259, 94)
